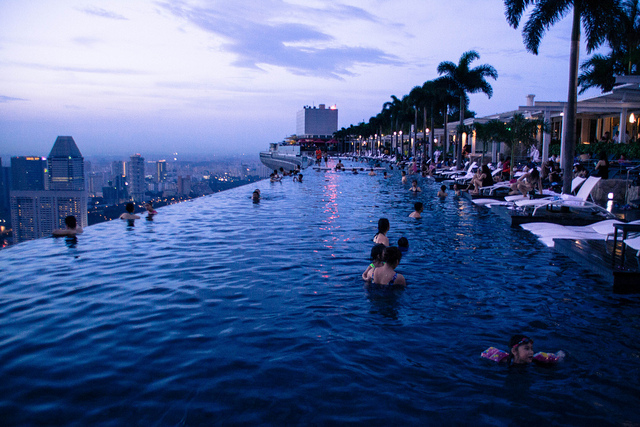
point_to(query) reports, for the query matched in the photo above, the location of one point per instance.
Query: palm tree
(593, 15)
(624, 58)
(444, 94)
(465, 81)
(598, 71)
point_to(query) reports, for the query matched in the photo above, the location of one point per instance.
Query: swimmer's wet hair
(403, 242)
(383, 225)
(376, 252)
(391, 255)
(129, 207)
(70, 221)
(418, 205)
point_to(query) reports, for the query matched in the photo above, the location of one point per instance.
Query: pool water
(222, 311)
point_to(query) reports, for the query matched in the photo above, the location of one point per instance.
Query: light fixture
(632, 118)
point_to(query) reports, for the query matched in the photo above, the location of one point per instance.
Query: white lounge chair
(583, 195)
(546, 231)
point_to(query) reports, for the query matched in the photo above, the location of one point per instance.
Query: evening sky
(215, 77)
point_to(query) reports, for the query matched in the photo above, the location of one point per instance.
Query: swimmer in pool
(404, 177)
(298, 178)
(419, 207)
(443, 192)
(383, 229)
(403, 244)
(71, 228)
(456, 189)
(372, 172)
(256, 195)
(521, 353)
(414, 187)
(129, 215)
(386, 274)
(376, 261)
(385, 174)
(520, 350)
(149, 207)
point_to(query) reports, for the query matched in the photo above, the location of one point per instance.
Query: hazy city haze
(217, 77)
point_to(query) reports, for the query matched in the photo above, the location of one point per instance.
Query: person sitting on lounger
(526, 183)
(482, 179)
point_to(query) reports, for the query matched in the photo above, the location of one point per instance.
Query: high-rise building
(319, 122)
(36, 213)
(118, 168)
(184, 185)
(135, 178)
(161, 170)
(28, 173)
(66, 165)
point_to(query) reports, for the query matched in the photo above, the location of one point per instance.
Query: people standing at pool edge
(383, 229)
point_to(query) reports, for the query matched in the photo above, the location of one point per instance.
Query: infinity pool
(221, 311)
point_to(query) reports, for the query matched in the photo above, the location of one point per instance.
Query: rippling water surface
(221, 311)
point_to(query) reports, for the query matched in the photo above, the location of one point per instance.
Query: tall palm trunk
(446, 134)
(415, 133)
(459, 142)
(424, 132)
(569, 146)
(431, 133)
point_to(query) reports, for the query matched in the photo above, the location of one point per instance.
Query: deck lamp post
(632, 120)
(395, 143)
(401, 144)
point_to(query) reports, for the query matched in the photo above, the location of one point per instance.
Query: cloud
(258, 39)
(96, 11)
(119, 71)
(9, 99)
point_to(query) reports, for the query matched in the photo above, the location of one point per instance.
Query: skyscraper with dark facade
(135, 178)
(36, 213)
(66, 165)
(28, 173)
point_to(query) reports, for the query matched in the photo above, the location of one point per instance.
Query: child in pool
(383, 229)
(414, 187)
(386, 274)
(521, 353)
(443, 192)
(376, 260)
(404, 177)
(403, 244)
(418, 210)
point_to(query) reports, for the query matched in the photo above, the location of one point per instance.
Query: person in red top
(318, 156)
(506, 168)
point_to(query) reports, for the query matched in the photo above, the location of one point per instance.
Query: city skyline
(207, 78)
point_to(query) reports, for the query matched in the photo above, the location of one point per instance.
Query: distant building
(184, 185)
(135, 178)
(36, 213)
(66, 166)
(320, 123)
(28, 173)
(118, 168)
(161, 170)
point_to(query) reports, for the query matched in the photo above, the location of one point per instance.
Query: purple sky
(217, 77)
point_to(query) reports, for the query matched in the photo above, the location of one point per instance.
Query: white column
(623, 126)
(562, 144)
(546, 137)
